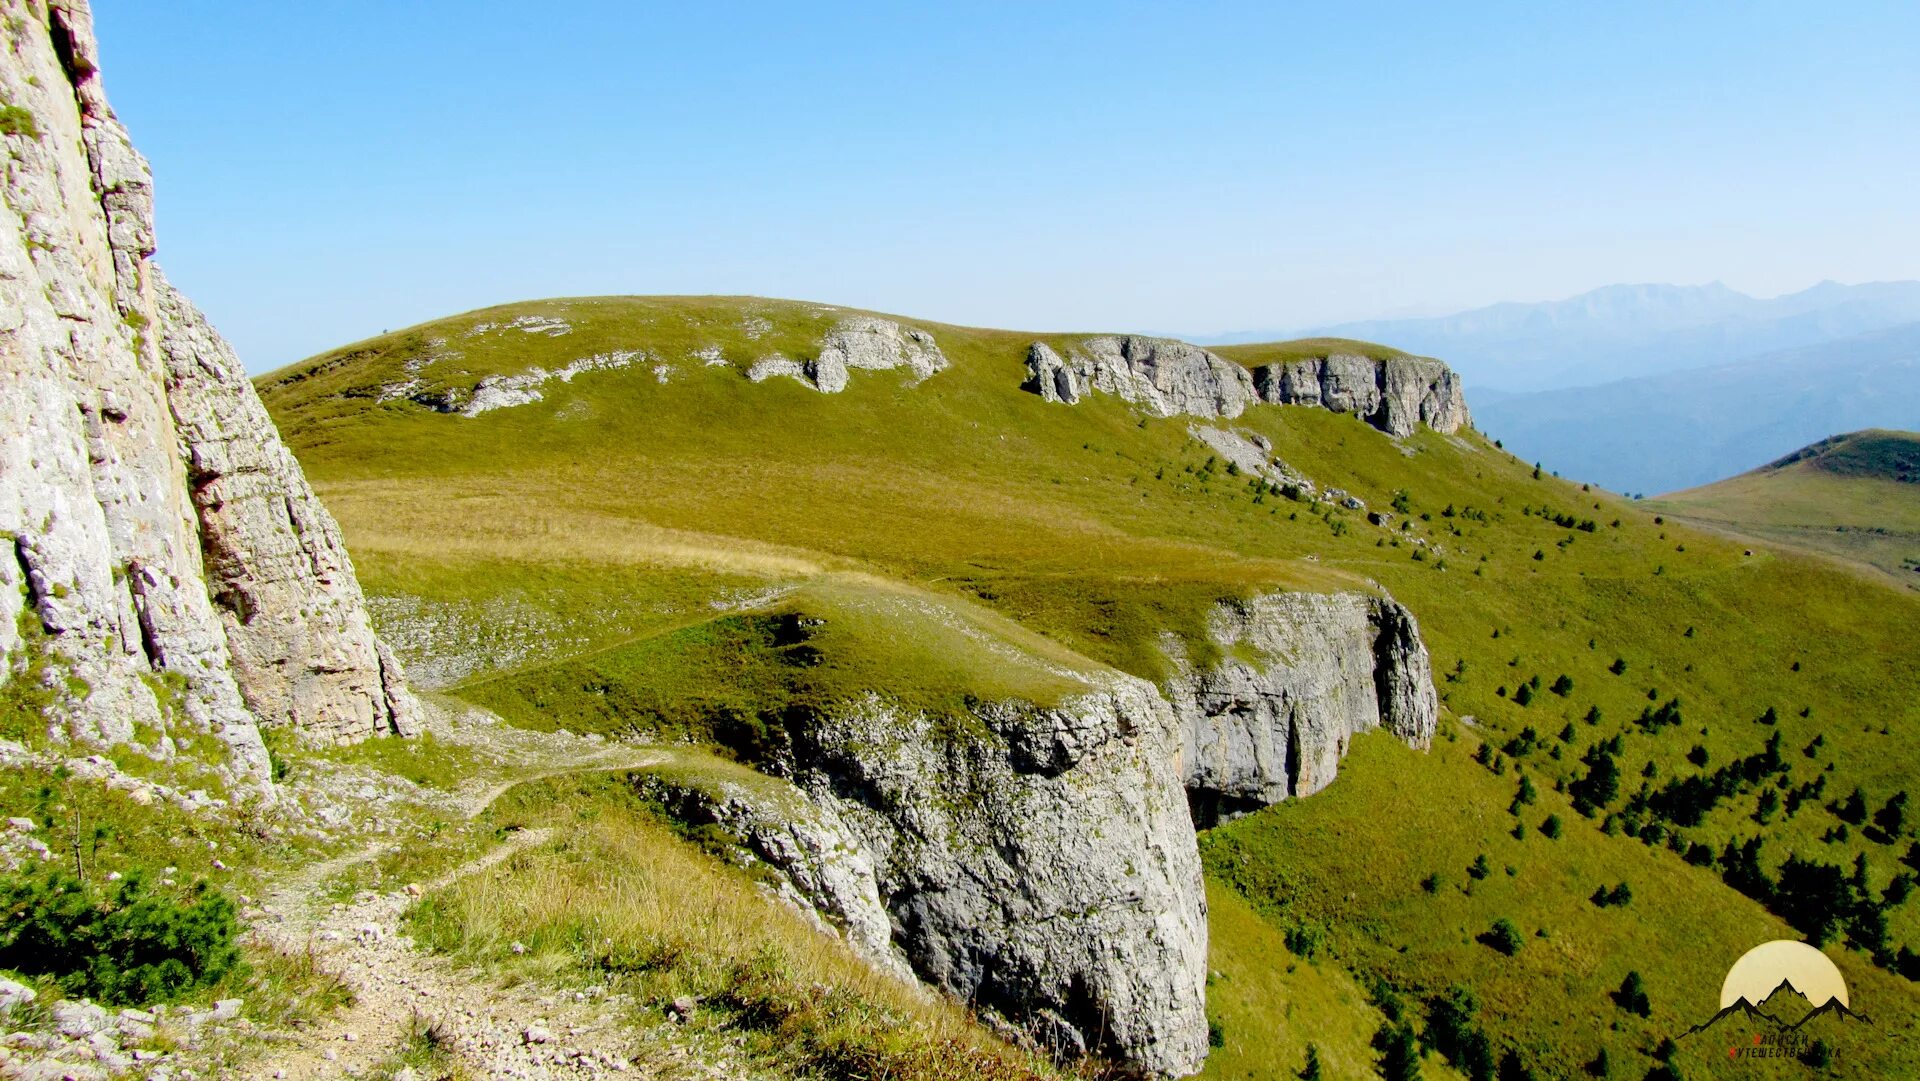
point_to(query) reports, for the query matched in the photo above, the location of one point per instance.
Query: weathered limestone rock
(1300, 675)
(303, 649)
(1164, 377)
(507, 391)
(827, 870)
(136, 462)
(1393, 394)
(1037, 863)
(1051, 377)
(863, 342)
(1170, 378)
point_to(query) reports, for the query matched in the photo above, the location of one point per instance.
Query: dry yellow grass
(617, 897)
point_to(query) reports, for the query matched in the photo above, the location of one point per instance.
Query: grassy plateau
(630, 553)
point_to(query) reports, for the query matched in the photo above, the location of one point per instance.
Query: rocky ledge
(1298, 676)
(1040, 863)
(1172, 378)
(1037, 863)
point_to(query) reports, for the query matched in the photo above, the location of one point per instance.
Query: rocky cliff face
(1037, 863)
(1165, 377)
(1393, 394)
(1040, 863)
(1171, 378)
(1300, 675)
(165, 550)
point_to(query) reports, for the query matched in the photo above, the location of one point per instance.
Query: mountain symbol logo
(1785, 984)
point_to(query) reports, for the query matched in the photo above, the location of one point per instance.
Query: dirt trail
(399, 990)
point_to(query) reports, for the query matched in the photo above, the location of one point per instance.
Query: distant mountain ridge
(1680, 430)
(1627, 331)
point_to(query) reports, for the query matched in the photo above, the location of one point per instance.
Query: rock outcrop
(1171, 378)
(165, 553)
(1165, 377)
(1392, 394)
(1037, 863)
(858, 342)
(1299, 675)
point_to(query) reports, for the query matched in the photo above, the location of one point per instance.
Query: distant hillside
(1690, 428)
(1856, 496)
(1627, 331)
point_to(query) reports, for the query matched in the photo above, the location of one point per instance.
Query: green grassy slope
(668, 518)
(1855, 496)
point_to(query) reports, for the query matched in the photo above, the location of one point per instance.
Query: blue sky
(329, 170)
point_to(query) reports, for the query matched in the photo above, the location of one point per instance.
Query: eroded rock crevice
(138, 465)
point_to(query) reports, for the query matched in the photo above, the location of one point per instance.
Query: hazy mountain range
(1652, 388)
(1675, 431)
(1623, 331)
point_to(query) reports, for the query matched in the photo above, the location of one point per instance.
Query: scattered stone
(14, 994)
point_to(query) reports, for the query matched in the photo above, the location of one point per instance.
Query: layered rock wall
(1040, 863)
(1037, 863)
(1165, 377)
(1171, 378)
(165, 551)
(1393, 394)
(1299, 675)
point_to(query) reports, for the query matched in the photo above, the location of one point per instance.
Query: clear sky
(329, 170)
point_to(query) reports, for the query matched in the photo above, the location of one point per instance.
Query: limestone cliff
(1171, 378)
(1165, 377)
(1037, 863)
(1392, 394)
(165, 550)
(1299, 675)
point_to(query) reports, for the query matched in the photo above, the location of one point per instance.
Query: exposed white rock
(1394, 395)
(1038, 863)
(156, 524)
(774, 364)
(1164, 377)
(1051, 377)
(506, 391)
(1299, 675)
(1172, 378)
(827, 869)
(863, 341)
(546, 325)
(1251, 452)
(857, 342)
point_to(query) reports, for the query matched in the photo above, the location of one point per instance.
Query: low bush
(129, 942)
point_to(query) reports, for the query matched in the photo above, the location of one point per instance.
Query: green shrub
(1504, 937)
(1632, 995)
(129, 943)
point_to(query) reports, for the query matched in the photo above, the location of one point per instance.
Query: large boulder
(1297, 676)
